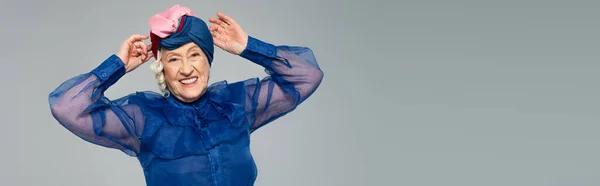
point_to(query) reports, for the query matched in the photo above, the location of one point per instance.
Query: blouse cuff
(109, 71)
(260, 52)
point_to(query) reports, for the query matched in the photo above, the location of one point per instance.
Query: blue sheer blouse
(201, 143)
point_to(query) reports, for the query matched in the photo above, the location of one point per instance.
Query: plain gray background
(419, 93)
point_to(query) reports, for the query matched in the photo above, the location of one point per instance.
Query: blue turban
(190, 29)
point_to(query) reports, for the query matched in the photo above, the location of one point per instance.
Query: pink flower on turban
(165, 23)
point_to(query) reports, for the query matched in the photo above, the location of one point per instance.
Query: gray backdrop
(419, 93)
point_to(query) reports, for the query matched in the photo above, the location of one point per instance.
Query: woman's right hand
(134, 52)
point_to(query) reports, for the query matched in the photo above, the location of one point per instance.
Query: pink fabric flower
(165, 23)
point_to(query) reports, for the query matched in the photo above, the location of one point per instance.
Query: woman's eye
(172, 59)
(195, 55)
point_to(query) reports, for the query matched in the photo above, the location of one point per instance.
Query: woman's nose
(187, 69)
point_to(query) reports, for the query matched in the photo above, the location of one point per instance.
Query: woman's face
(186, 72)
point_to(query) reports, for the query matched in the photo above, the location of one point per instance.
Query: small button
(270, 52)
(103, 74)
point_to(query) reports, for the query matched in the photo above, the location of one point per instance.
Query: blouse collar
(199, 103)
(215, 104)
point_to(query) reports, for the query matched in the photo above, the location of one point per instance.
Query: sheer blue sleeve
(80, 106)
(293, 76)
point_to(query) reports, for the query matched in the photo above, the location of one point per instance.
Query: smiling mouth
(189, 81)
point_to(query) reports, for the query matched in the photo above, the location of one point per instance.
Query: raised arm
(293, 71)
(294, 75)
(80, 106)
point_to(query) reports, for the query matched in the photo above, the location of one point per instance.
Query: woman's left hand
(227, 34)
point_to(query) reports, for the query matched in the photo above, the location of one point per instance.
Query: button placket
(215, 159)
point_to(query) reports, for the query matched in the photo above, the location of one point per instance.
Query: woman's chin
(191, 94)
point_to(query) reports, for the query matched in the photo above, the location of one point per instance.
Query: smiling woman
(186, 71)
(193, 133)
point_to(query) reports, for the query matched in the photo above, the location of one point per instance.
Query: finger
(213, 27)
(137, 37)
(215, 21)
(144, 47)
(220, 22)
(139, 48)
(220, 29)
(216, 29)
(147, 57)
(216, 34)
(226, 18)
(136, 45)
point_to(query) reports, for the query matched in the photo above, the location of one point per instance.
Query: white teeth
(188, 81)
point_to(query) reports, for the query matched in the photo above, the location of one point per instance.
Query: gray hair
(157, 69)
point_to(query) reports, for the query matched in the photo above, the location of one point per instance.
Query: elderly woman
(192, 133)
